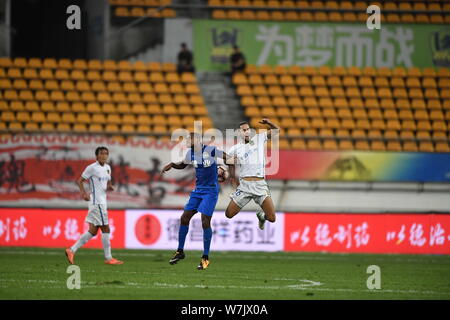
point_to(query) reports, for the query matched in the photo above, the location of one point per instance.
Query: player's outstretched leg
(70, 252)
(207, 236)
(107, 247)
(182, 233)
(268, 212)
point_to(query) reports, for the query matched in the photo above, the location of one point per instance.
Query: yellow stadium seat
(313, 144)
(429, 72)
(318, 81)
(125, 76)
(422, 18)
(334, 81)
(65, 64)
(35, 63)
(310, 71)
(295, 102)
(99, 118)
(407, 18)
(95, 127)
(50, 63)
(75, 74)
(63, 127)
(442, 147)
(413, 83)
(415, 93)
(262, 15)
(426, 146)
(337, 92)
(106, 76)
(92, 107)
(377, 145)
(47, 127)
(111, 128)
(104, 97)
(94, 64)
(188, 77)
(38, 116)
(80, 64)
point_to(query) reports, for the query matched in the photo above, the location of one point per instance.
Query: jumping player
(99, 176)
(251, 160)
(203, 198)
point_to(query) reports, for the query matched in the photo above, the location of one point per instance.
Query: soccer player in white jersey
(250, 155)
(98, 174)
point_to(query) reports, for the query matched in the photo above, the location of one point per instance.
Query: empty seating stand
(399, 11)
(140, 8)
(358, 108)
(88, 96)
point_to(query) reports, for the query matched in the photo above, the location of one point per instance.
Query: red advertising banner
(368, 233)
(54, 228)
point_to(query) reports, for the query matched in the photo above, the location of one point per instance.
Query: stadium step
(220, 99)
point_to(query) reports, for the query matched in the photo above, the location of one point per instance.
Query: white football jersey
(98, 177)
(251, 156)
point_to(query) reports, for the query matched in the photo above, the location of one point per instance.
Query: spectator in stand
(185, 58)
(237, 60)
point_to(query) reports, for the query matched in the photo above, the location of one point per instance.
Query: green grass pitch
(37, 273)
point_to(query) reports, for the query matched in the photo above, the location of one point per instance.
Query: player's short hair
(242, 123)
(97, 151)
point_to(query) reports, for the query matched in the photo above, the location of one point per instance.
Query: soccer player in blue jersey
(204, 197)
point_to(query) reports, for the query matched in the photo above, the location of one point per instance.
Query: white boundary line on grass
(308, 285)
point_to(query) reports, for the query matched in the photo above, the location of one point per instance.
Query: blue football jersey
(205, 164)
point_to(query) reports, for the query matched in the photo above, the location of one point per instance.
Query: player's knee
(184, 221)
(229, 214)
(106, 229)
(206, 225)
(271, 219)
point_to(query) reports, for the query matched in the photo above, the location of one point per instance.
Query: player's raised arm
(84, 194)
(230, 162)
(271, 125)
(179, 165)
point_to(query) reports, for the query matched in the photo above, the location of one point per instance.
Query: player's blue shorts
(203, 201)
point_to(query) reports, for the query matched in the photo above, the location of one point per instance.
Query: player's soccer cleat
(177, 256)
(262, 219)
(204, 263)
(70, 255)
(113, 261)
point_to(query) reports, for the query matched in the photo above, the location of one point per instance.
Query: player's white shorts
(97, 215)
(248, 190)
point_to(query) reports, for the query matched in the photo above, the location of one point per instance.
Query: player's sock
(106, 246)
(207, 235)
(182, 233)
(81, 242)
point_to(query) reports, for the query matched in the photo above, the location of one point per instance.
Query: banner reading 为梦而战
(318, 44)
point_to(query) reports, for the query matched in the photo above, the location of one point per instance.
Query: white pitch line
(296, 287)
(312, 287)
